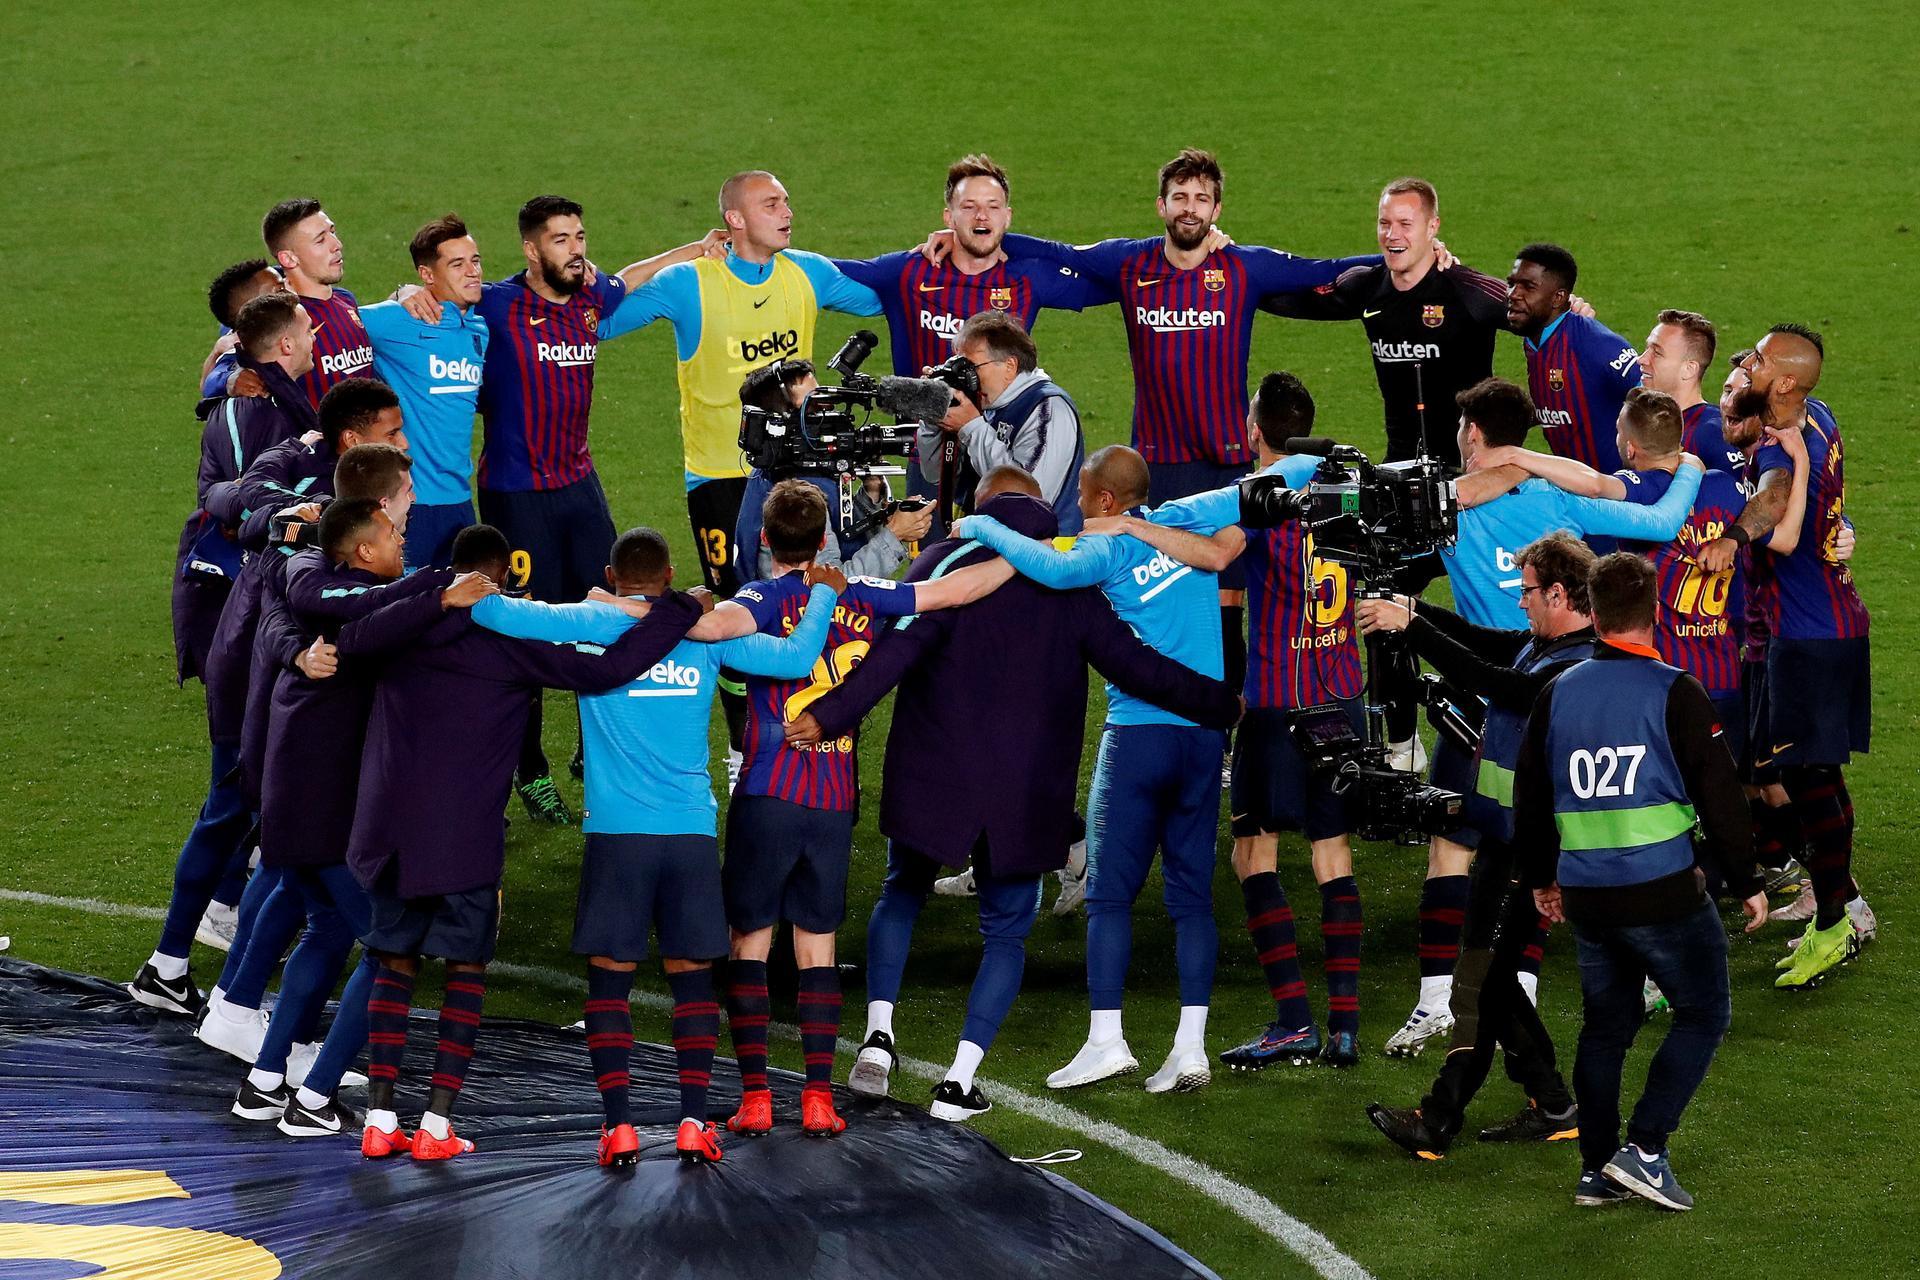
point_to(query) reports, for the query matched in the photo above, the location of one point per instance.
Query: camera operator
(1501, 511)
(778, 389)
(1022, 419)
(1488, 1001)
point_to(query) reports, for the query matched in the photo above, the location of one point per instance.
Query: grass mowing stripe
(1315, 1249)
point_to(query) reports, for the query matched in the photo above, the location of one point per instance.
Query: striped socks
(1443, 913)
(387, 1006)
(819, 1007)
(696, 1030)
(747, 1010)
(1340, 933)
(1270, 922)
(1825, 810)
(610, 1039)
(459, 1027)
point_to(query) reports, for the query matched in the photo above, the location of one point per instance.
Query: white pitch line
(1263, 1214)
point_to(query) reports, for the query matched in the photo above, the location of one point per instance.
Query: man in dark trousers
(1623, 756)
(981, 764)
(428, 844)
(1489, 1000)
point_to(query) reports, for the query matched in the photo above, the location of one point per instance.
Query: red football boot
(755, 1116)
(817, 1115)
(428, 1147)
(619, 1146)
(378, 1144)
(697, 1142)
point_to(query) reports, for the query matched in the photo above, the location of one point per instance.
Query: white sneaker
(1073, 888)
(233, 1031)
(1407, 757)
(216, 927)
(1800, 909)
(960, 886)
(734, 761)
(1422, 1025)
(1184, 1071)
(873, 1066)
(300, 1060)
(1095, 1062)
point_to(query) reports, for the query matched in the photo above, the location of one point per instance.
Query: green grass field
(1713, 158)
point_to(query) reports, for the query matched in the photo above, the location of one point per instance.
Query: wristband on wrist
(1739, 534)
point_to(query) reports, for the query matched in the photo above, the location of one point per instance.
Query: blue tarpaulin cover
(118, 1158)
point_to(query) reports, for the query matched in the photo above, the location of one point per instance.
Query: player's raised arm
(835, 290)
(1570, 474)
(1086, 563)
(712, 244)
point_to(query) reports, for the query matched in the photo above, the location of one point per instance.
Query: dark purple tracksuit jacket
(317, 728)
(284, 476)
(991, 717)
(445, 734)
(238, 430)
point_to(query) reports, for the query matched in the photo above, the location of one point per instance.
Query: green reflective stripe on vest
(1495, 783)
(1623, 828)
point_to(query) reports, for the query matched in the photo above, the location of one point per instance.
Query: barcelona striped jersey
(1698, 615)
(536, 387)
(1810, 593)
(824, 775)
(1189, 331)
(1579, 373)
(341, 348)
(927, 302)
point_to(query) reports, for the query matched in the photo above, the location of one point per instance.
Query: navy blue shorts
(1169, 480)
(1455, 770)
(461, 927)
(1272, 787)
(566, 534)
(1753, 696)
(431, 530)
(1819, 702)
(713, 509)
(786, 862)
(630, 883)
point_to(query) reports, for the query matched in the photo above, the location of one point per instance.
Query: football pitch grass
(1715, 159)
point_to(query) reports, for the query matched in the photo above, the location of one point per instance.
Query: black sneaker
(1407, 1129)
(951, 1104)
(262, 1104)
(331, 1117)
(1342, 1050)
(177, 995)
(1534, 1125)
(543, 801)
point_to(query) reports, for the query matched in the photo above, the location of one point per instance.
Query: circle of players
(373, 677)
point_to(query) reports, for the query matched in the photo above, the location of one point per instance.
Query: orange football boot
(619, 1146)
(697, 1142)
(817, 1115)
(428, 1147)
(378, 1144)
(755, 1116)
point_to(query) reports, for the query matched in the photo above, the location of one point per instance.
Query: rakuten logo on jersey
(1405, 350)
(1553, 418)
(566, 354)
(464, 374)
(774, 346)
(345, 364)
(935, 322)
(1178, 320)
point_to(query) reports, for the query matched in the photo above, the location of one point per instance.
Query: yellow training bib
(742, 327)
